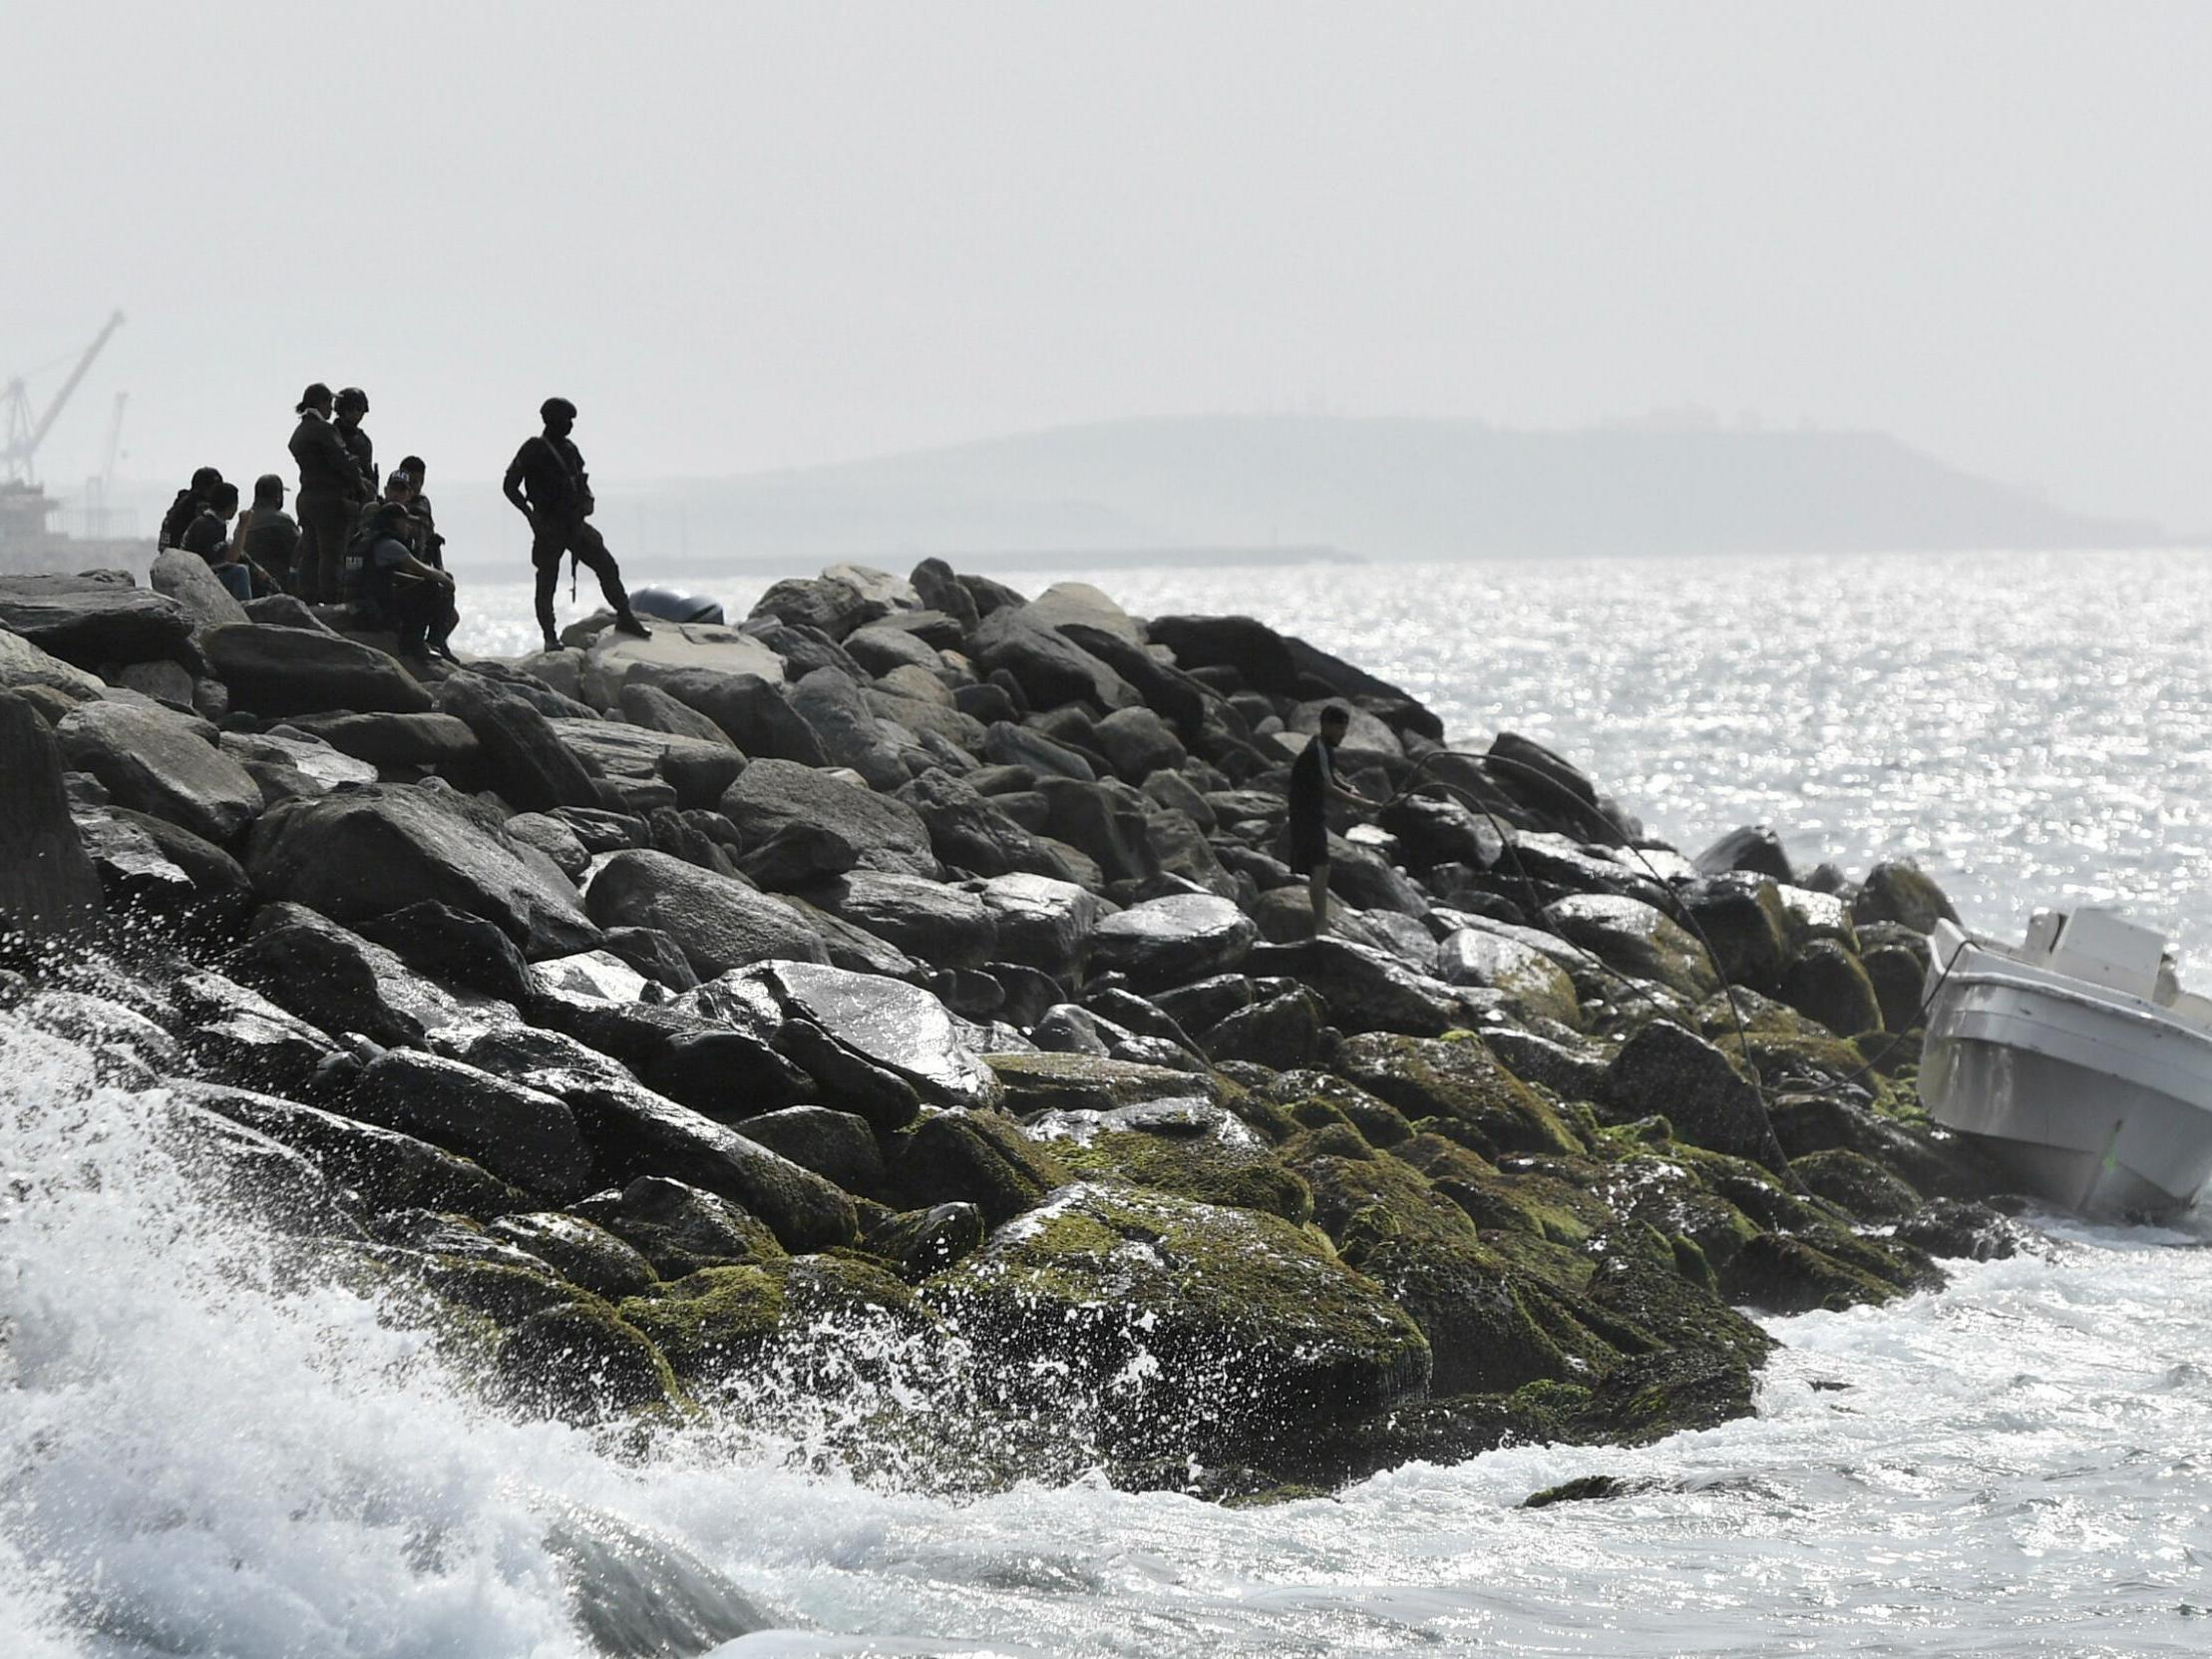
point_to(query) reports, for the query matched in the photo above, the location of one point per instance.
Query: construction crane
(103, 518)
(24, 433)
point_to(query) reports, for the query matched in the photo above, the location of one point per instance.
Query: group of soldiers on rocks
(371, 542)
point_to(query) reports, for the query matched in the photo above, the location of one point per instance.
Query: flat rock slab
(609, 663)
(159, 763)
(394, 739)
(23, 663)
(298, 671)
(88, 622)
(874, 832)
(521, 1135)
(698, 770)
(718, 922)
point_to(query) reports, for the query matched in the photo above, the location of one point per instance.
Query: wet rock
(1825, 983)
(1743, 918)
(293, 767)
(1960, 1228)
(454, 948)
(752, 711)
(149, 865)
(1815, 915)
(238, 1036)
(519, 1133)
(1460, 1080)
(530, 765)
(1205, 1002)
(1366, 990)
(298, 671)
(1898, 890)
(1549, 783)
(394, 740)
(869, 831)
(1107, 822)
(1259, 654)
(1139, 743)
(971, 832)
(633, 1132)
(850, 731)
(1050, 668)
(653, 954)
(837, 1145)
(1008, 744)
(582, 1365)
(1044, 922)
(1633, 938)
(900, 1027)
(1857, 1185)
(1778, 1273)
(1250, 1334)
(944, 925)
(162, 764)
(650, 708)
(718, 922)
(1070, 1081)
(1754, 849)
(1280, 1032)
(678, 1228)
(972, 1158)
(1178, 938)
(362, 853)
(615, 662)
(918, 1243)
(391, 1171)
(1670, 1072)
(87, 622)
(698, 771)
(585, 1255)
(1533, 984)
(552, 837)
(1191, 1149)
(1897, 976)
(47, 881)
(336, 980)
(25, 667)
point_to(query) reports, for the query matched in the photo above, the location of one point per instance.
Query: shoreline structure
(901, 994)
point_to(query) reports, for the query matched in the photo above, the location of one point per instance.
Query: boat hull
(2100, 1105)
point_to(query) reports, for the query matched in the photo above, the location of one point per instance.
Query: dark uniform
(331, 490)
(1310, 775)
(551, 473)
(271, 541)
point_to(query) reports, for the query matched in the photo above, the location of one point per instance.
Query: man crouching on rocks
(1312, 783)
(548, 487)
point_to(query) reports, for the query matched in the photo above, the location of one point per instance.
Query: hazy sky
(750, 235)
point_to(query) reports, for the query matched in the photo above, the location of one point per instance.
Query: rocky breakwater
(908, 985)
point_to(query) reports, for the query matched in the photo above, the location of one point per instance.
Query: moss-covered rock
(917, 1243)
(1898, 890)
(1632, 937)
(680, 1229)
(1182, 1327)
(1854, 1184)
(1825, 983)
(581, 1362)
(1780, 1275)
(971, 1157)
(1037, 1082)
(579, 1252)
(1314, 1099)
(1194, 1150)
(1741, 916)
(1456, 1078)
(725, 1323)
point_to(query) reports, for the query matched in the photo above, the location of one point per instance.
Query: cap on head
(316, 396)
(353, 397)
(400, 478)
(204, 479)
(556, 409)
(223, 497)
(1336, 715)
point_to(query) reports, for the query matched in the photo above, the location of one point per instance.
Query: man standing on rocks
(332, 489)
(1312, 783)
(548, 487)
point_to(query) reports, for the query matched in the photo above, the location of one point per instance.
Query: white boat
(2076, 1059)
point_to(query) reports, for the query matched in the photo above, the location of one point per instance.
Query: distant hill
(1380, 489)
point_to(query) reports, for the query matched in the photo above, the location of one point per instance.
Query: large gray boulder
(1368, 990)
(651, 708)
(292, 767)
(880, 833)
(971, 832)
(943, 925)
(298, 671)
(698, 771)
(24, 666)
(387, 739)
(159, 763)
(1044, 923)
(751, 711)
(1172, 941)
(1632, 937)
(90, 621)
(337, 980)
(46, 880)
(900, 1027)
(187, 579)
(718, 922)
(361, 853)
(1260, 655)
(530, 767)
(851, 732)
(1050, 668)
(1667, 1071)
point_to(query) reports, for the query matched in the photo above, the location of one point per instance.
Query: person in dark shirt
(331, 489)
(210, 537)
(269, 534)
(187, 507)
(430, 548)
(1312, 785)
(548, 487)
(396, 583)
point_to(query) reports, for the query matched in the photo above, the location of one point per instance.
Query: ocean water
(207, 1447)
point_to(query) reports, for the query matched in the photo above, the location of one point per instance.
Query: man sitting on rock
(398, 588)
(1312, 783)
(548, 487)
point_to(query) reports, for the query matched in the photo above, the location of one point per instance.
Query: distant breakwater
(901, 997)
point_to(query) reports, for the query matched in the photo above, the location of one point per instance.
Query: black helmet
(353, 397)
(556, 408)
